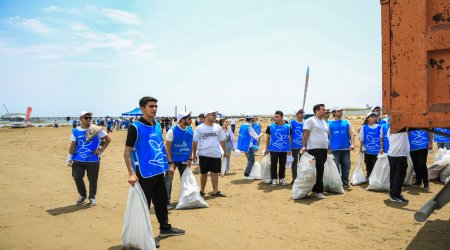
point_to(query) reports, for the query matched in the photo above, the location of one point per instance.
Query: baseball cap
(335, 109)
(84, 112)
(249, 116)
(210, 112)
(375, 107)
(369, 114)
(183, 115)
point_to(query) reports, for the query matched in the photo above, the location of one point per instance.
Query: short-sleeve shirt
(209, 138)
(318, 135)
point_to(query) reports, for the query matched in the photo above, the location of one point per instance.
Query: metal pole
(175, 110)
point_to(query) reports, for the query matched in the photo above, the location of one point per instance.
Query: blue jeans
(251, 161)
(229, 147)
(342, 160)
(444, 145)
(168, 179)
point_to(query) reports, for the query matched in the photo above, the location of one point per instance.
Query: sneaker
(92, 202)
(274, 183)
(169, 207)
(346, 186)
(171, 232)
(426, 187)
(248, 177)
(320, 195)
(283, 182)
(157, 244)
(81, 200)
(399, 200)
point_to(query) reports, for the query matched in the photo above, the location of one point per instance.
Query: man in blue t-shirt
(342, 140)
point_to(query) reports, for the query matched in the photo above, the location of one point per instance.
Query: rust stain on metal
(416, 58)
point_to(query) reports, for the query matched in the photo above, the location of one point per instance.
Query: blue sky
(61, 57)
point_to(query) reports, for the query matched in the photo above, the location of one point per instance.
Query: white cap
(183, 115)
(369, 114)
(374, 107)
(249, 116)
(84, 112)
(335, 109)
(210, 112)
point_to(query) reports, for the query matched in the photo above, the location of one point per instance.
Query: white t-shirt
(209, 138)
(169, 135)
(233, 121)
(398, 144)
(100, 134)
(318, 135)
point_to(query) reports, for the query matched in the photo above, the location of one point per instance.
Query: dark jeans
(155, 192)
(419, 159)
(321, 156)
(397, 175)
(92, 169)
(370, 161)
(342, 161)
(278, 157)
(168, 179)
(250, 161)
(296, 154)
(233, 127)
(109, 129)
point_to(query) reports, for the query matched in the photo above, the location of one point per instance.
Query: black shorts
(208, 164)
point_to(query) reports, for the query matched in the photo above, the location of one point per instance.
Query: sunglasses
(327, 113)
(87, 117)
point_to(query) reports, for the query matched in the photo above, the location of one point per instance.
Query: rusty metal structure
(416, 63)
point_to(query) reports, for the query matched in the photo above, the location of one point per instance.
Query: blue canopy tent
(134, 112)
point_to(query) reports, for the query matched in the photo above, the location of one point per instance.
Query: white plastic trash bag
(379, 178)
(442, 160)
(136, 229)
(289, 161)
(332, 181)
(409, 173)
(266, 175)
(256, 171)
(223, 166)
(306, 177)
(358, 176)
(190, 192)
(237, 152)
(445, 173)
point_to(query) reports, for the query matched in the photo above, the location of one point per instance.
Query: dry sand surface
(37, 211)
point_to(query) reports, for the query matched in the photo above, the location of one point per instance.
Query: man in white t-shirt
(84, 156)
(315, 141)
(398, 162)
(209, 138)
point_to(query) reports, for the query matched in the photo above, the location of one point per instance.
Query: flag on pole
(306, 87)
(29, 109)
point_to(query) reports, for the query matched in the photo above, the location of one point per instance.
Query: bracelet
(170, 162)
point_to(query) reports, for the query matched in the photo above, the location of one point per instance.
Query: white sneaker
(81, 200)
(283, 182)
(320, 196)
(92, 202)
(274, 183)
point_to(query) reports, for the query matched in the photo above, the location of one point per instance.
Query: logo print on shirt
(279, 143)
(373, 143)
(299, 133)
(84, 151)
(420, 137)
(159, 156)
